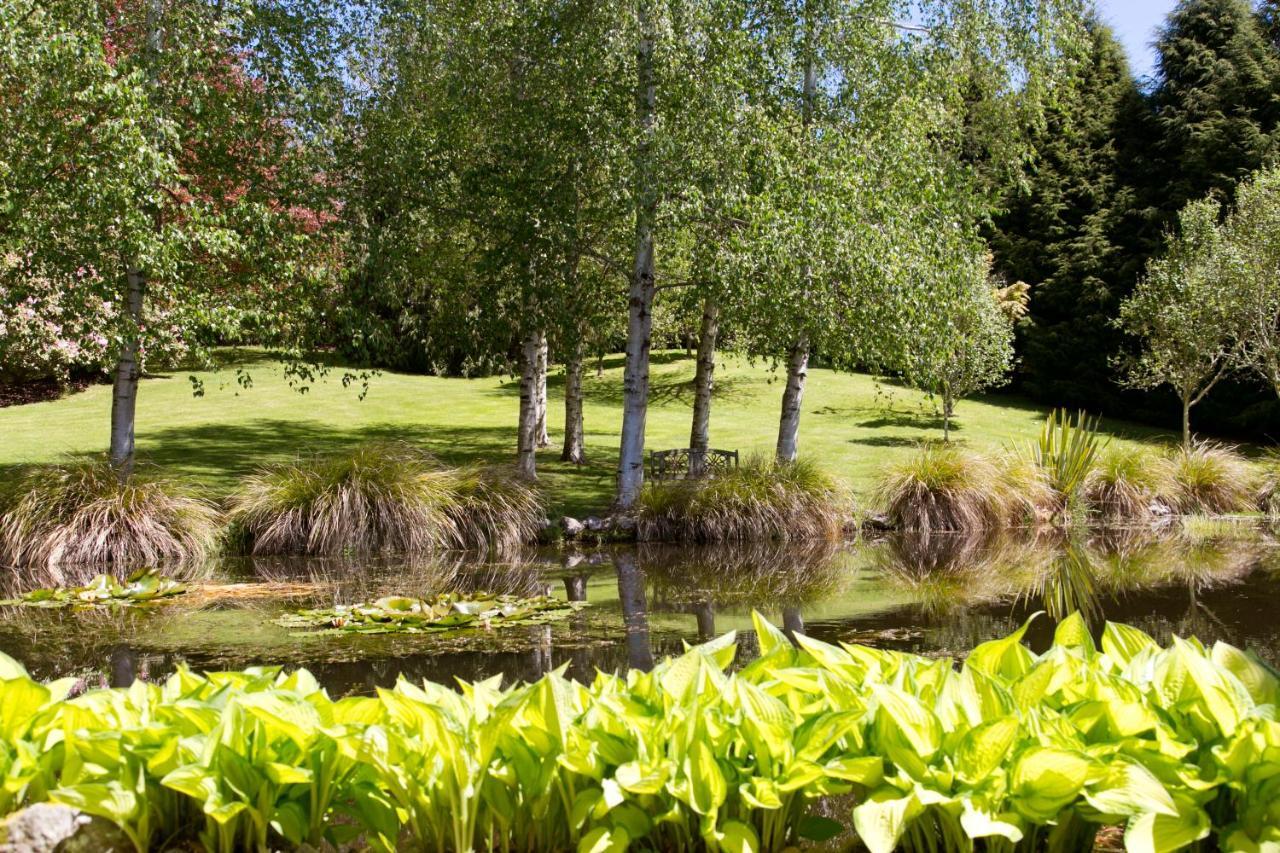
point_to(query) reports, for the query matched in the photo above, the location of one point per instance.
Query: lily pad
(446, 612)
(140, 588)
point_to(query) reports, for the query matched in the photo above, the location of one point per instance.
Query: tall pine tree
(1057, 232)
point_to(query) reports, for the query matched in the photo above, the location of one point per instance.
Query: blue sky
(1135, 22)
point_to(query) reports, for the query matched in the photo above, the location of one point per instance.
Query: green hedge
(1011, 751)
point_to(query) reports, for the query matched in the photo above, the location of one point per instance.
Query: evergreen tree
(1058, 232)
(1217, 104)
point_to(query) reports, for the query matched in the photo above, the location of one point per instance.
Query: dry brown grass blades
(944, 488)
(80, 513)
(381, 497)
(762, 500)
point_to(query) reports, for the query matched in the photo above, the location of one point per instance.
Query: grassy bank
(852, 425)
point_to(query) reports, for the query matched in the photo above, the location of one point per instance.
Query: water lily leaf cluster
(446, 612)
(1013, 751)
(140, 588)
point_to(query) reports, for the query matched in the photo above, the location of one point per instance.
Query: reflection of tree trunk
(635, 612)
(542, 650)
(792, 622)
(703, 383)
(706, 614)
(124, 666)
(576, 588)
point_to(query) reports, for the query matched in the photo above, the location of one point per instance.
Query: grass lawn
(852, 424)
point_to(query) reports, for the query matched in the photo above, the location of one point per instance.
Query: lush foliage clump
(1269, 488)
(1066, 451)
(1126, 484)
(761, 500)
(381, 497)
(80, 513)
(944, 488)
(1013, 751)
(140, 588)
(446, 612)
(1213, 479)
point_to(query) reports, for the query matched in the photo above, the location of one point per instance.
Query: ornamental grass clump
(81, 513)
(1172, 747)
(1269, 485)
(942, 488)
(380, 497)
(1210, 478)
(1128, 485)
(758, 501)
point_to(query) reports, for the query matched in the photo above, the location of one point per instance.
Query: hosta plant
(1013, 751)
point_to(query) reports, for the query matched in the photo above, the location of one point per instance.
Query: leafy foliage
(80, 513)
(1212, 478)
(446, 612)
(761, 500)
(1067, 450)
(1015, 750)
(140, 588)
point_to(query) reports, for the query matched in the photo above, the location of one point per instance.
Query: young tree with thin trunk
(1252, 233)
(1184, 316)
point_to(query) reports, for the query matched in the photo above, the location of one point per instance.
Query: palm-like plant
(1067, 450)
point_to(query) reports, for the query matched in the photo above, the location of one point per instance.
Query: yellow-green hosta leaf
(292, 716)
(706, 783)
(881, 820)
(867, 771)
(985, 748)
(904, 716)
(1073, 633)
(1257, 678)
(604, 840)
(1127, 789)
(1162, 833)
(1005, 658)
(641, 779)
(287, 774)
(10, 668)
(1046, 779)
(111, 800)
(737, 837)
(768, 636)
(761, 793)
(1122, 643)
(978, 823)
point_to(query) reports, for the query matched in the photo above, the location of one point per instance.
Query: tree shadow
(908, 420)
(887, 441)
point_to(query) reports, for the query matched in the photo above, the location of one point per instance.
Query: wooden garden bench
(678, 464)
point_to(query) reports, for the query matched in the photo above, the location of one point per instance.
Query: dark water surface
(932, 596)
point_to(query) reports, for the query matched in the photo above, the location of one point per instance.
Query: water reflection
(939, 596)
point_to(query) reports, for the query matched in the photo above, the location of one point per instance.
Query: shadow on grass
(888, 441)
(908, 420)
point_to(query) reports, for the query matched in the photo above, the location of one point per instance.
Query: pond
(934, 596)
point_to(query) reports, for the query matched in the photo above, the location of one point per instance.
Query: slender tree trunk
(1186, 423)
(527, 433)
(635, 610)
(600, 366)
(574, 448)
(948, 406)
(798, 358)
(705, 613)
(792, 398)
(635, 382)
(124, 392)
(703, 384)
(544, 440)
(792, 622)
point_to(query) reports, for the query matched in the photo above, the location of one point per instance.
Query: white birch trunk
(635, 382)
(703, 385)
(574, 445)
(544, 440)
(792, 398)
(124, 391)
(527, 433)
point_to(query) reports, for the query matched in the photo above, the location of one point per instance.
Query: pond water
(937, 596)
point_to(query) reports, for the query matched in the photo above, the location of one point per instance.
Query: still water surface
(938, 596)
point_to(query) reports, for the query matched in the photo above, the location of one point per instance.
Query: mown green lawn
(852, 423)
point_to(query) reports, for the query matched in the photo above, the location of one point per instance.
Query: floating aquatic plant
(446, 612)
(140, 588)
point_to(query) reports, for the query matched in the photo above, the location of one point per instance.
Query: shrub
(1124, 484)
(1011, 751)
(1213, 479)
(1269, 485)
(761, 500)
(1066, 451)
(80, 513)
(380, 497)
(943, 488)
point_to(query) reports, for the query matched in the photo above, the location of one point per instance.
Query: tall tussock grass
(1269, 485)
(944, 488)
(381, 497)
(761, 500)
(1211, 478)
(1127, 485)
(80, 513)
